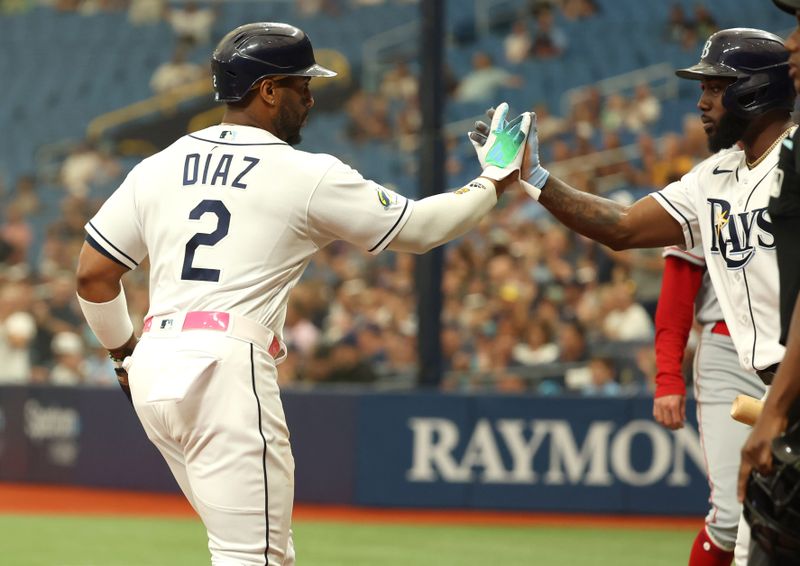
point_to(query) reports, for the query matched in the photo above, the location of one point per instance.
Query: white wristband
(532, 191)
(109, 321)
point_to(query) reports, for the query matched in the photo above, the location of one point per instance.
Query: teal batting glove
(536, 176)
(501, 154)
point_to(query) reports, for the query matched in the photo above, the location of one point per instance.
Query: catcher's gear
(757, 61)
(772, 502)
(252, 52)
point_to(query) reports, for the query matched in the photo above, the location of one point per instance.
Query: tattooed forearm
(590, 215)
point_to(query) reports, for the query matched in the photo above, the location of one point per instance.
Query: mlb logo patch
(227, 135)
(166, 324)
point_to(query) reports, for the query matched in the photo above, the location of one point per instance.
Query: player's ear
(266, 90)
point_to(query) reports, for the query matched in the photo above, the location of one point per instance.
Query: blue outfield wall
(393, 449)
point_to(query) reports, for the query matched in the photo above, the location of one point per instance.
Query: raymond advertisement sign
(589, 455)
(393, 450)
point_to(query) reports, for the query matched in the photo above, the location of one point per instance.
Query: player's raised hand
(501, 153)
(530, 165)
(670, 411)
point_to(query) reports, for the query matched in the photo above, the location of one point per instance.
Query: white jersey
(230, 217)
(706, 305)
(722, 205)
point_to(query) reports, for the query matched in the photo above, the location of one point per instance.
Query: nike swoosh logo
(718, 171)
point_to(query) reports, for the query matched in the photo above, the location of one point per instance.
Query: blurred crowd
(528, 305)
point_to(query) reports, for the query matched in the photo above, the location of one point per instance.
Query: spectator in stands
(585, 111)
(626, 320)
(677, 23)
(399, 83)
(549, 41)
(614, 112)
(603, 379)
(16, 332)
(347, 364)
(548, 125)
(16, 232)
(69, 226)
(299, 332)
(25, 196)
(574, 353)
(643, 110)
(579, 9)
(307, 8)
(537, 347)
(86, 167)
(368, 118)
(98, 367)
(372, 348)
(572, 345)
(481, 84)
(54, 256)
(143, 12)
(673, 161)
(704, 22)
(517, 44)
(70, 367)
(690, 39)
(191, 23)
(401, 353)
(55, 310)
(176, 72)
(695, 142)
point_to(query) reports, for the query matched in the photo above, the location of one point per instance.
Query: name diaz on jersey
(224, 167)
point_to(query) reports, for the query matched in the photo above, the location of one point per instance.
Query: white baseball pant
(209, 400)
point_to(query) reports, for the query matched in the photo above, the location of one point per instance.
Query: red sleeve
(674, 315)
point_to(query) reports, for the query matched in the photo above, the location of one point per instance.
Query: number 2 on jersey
(217, 208)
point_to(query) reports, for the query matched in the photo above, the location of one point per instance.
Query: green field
(115, 541)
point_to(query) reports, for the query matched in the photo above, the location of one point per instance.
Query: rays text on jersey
(736, 235)
(217, 169)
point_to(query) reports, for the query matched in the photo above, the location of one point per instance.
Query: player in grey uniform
(718, 379)
(230, 217)
(746, 97)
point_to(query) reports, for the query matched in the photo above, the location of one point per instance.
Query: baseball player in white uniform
(721, 204)
(229, 217)
(687, 294)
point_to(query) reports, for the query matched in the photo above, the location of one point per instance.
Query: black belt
(767, 374)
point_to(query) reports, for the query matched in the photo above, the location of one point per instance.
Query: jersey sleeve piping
(392, 232)
(110, 248)
(687, 227)
(92, 242)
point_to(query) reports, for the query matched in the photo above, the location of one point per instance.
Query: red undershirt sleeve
(674, 315)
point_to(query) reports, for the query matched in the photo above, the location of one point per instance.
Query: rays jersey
(722, 206)
(230, 217)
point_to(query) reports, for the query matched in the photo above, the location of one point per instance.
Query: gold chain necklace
(755, 163)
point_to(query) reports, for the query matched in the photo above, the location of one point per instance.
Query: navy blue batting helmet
(757, 61)
(254, 51)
